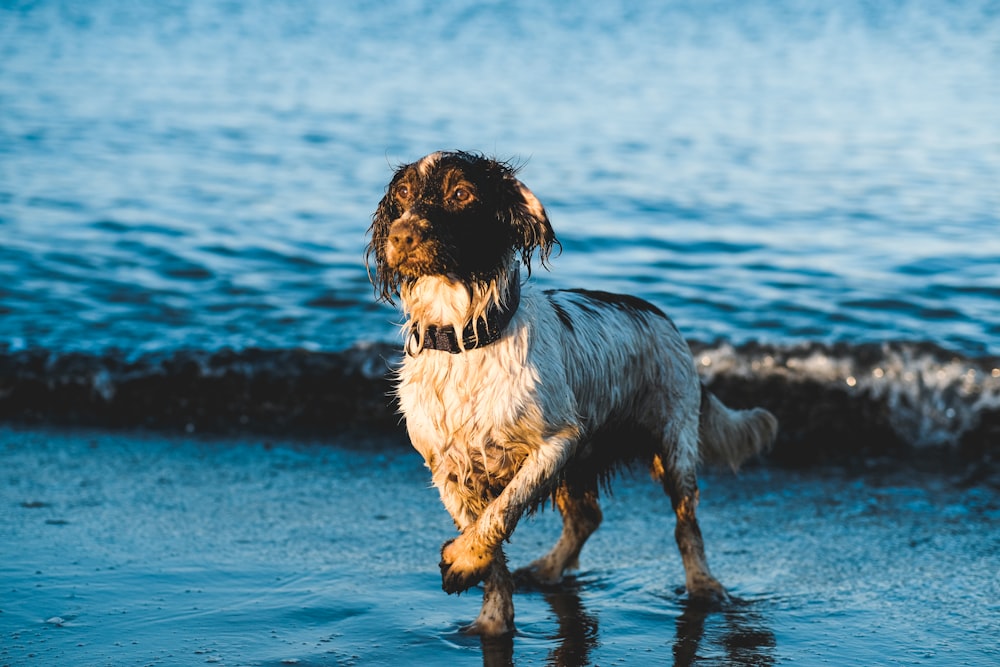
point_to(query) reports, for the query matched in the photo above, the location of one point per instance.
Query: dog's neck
(444, 313)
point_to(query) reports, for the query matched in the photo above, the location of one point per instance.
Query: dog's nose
(405, 236)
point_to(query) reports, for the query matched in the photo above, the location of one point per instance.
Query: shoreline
(851, 404)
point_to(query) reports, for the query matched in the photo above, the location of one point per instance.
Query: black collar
(480, 333)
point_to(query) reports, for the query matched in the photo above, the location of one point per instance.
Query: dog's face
(456, 214)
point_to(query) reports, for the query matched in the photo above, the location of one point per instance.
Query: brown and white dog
(515, 396)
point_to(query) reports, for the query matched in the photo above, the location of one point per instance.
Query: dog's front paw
(464, 563)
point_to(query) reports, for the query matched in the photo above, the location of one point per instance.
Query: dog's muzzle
(405, 236)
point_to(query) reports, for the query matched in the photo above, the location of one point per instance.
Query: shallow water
(126, 549)
(201, 176)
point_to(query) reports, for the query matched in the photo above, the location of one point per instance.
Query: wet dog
(515, 396)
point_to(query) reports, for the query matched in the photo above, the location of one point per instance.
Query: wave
(846, 402)
(836, 403)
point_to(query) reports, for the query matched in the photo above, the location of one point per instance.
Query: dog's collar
(483, 331)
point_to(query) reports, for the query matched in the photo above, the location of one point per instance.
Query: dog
(516, 396)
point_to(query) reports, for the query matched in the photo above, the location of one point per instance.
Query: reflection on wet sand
(577, 635)
(744, 638)
(574, 640)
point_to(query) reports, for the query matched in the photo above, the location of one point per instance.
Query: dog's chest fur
(475, 416)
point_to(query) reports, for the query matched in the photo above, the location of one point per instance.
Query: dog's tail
(731, 437)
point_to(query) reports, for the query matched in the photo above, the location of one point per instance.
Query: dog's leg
(467, 559)
(677, 473)
(496, 618)
(581, 516)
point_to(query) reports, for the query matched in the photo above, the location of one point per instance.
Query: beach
(139, 549)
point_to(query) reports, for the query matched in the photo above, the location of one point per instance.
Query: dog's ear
(530, 227)
(385, 280)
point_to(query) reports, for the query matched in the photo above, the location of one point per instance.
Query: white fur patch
(427, 163)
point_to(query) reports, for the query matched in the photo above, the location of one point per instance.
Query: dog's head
(454, 214)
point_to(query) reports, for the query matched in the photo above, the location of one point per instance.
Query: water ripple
(203, 175)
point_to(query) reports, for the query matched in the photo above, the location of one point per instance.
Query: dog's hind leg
(581, 516)
(496, 618)
(676, 470)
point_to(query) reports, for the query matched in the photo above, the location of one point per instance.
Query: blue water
(201, 175)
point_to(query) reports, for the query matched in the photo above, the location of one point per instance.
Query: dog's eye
(403, 191)
(461, 195)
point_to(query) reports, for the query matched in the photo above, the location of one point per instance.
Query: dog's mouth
(413, 264)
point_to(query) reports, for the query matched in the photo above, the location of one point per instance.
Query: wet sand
(127, 549)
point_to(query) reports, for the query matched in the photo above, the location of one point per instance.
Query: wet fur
(581, 382)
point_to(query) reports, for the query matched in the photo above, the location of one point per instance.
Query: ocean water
(201, 175)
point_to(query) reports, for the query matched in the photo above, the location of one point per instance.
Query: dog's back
(634, 381)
